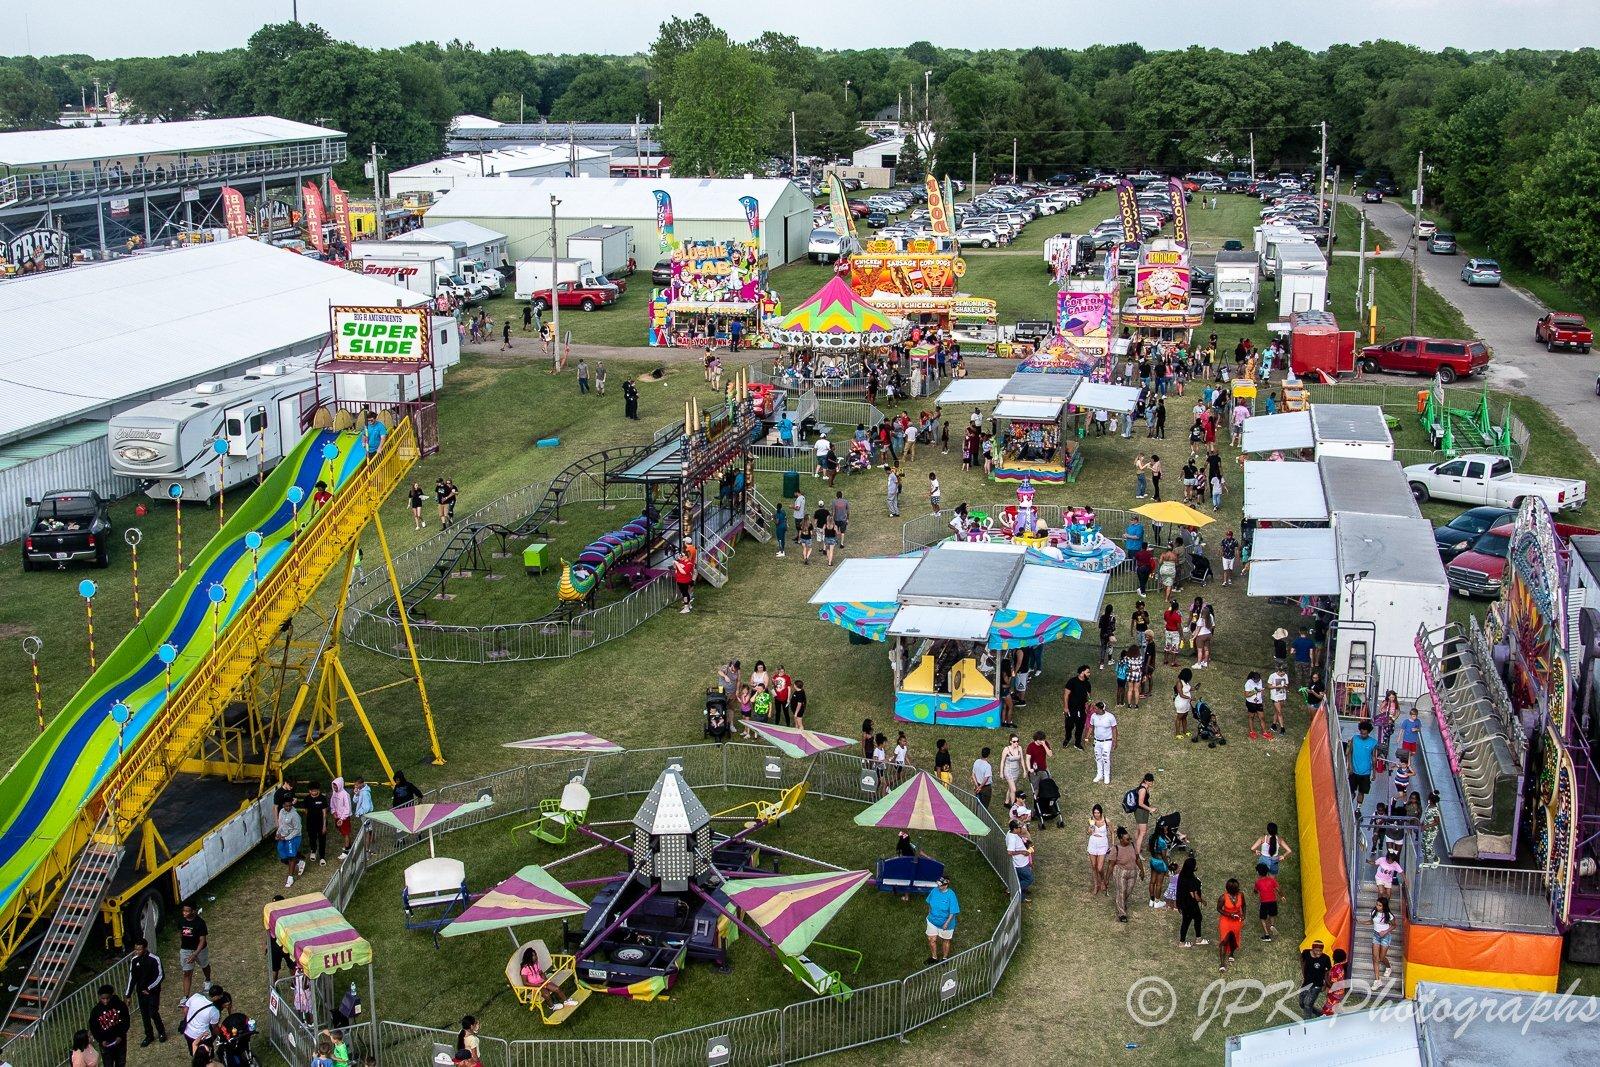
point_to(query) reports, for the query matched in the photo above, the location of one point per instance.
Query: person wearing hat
(1280, 648)
(943, 907)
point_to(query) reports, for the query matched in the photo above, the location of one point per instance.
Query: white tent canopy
(1293, 577)
(1280, 491)
(1035, 410)
(869, 581)
(1059, 591)
(1281, 544)
(1272, 433)
(1106, 397)
(972, 391)
(936, 621)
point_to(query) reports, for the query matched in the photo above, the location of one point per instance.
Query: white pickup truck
(1488, 479)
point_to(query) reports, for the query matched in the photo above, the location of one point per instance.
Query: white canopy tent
(1293, 577)
(1034, 410)
(1107, 397)
(1287, 432)
(1037, 387)
(868, 581)
(1290, 543)
(932, 620)
(972, 391)
(1281, 491)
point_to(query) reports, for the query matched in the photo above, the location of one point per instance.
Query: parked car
(1422, 229)
(983, 236)
(1442, 244)
(1233, 246)
(1488, 479)
(1481, 272)
(1563, 329)
(1201, 280)
(1430, 356)
(1457, 535)
(661, 273)
(67, 526)
(876, 219)
(574, 295)
(1372, 196)
(1480, 569)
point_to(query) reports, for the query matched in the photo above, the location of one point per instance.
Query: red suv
(1427, 356)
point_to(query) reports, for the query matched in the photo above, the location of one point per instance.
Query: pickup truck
(1481, 570)
(1560, 329)
(572, 295)
(69, 526)
(1489, 479)
(1438, 357)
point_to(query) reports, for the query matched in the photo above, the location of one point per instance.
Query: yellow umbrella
(1174, 513)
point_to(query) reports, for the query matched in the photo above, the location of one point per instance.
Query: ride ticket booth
(948, 614)
(1034, 438)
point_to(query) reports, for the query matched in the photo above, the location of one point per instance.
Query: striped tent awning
(315, 934)
(923, 803)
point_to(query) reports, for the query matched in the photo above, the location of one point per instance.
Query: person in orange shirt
(1230, 922)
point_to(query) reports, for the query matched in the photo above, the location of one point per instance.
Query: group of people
(769, 697)
(445, 495)
(821, 529)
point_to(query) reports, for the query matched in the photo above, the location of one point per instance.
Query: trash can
(1422, 400)
(533, 557)
(791, 484)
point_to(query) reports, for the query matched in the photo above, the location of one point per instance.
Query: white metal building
(530, 161)
(86, 343)
(469, 240)
(704, 209)
(884, 154)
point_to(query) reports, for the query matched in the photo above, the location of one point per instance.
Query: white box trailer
(419, 268)
(533, 275)
(609, 248)
(1396, 586)
(1302, 275)
(1267, 239)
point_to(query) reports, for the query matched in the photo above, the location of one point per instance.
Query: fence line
(48, 1042)
(799, 1031)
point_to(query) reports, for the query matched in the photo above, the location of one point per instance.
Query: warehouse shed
(704, 209)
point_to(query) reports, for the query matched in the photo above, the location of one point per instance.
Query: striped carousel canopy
(315, 935)
(835, 317)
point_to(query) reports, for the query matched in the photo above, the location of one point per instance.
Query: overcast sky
(157, 27)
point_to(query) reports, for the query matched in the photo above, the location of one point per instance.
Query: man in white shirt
(983, 777)
(823, 447)
(201, 1013)
(911, 441)
(1021, 850)
(1104, 725)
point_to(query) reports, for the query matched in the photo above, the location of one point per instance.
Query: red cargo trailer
(1318, 350)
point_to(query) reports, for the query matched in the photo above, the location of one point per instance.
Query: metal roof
(1287, 431)
(19, 452)
(78, 143)
(1358, 423)
(609, 198)
(1035, 410)
(1032, 385)
(869, 580)
(665, 464)
(1389, 549)
(507, 161)
(969, 575)
(1366, 487)
(458, 232)
(102, 334)
(1283, 491)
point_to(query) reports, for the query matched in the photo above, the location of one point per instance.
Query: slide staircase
(79, 791)
(467, 540)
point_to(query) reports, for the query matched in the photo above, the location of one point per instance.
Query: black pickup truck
(69, 526)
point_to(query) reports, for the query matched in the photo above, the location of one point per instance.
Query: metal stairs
(757, 516)
(467, 540)
(67, 934)
(1360, 975)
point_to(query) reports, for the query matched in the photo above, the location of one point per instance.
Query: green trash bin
(791, 484)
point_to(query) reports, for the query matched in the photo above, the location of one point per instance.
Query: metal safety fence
(789, 1034)
(48, 1042)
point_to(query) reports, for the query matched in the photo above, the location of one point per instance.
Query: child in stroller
(1167, 828)
(860, 458)
(230, 1041)
(1208, 727)
(1047, 801)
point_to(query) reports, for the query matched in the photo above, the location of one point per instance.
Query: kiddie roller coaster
(694, 485)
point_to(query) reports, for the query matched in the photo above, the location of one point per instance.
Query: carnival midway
(1217, 629)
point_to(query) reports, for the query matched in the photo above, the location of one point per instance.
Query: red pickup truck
(1428, 356)
(573, 295)
(1562, 329)
(1480, 571)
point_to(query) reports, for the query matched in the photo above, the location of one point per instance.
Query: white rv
(172, 440)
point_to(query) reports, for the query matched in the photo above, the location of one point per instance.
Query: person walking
(1383, 924)
(1182, 703)
(983, 777)
(144, 988)
(1142, 808)
(1155, 476)
(893, 491)
(1099, 846)
(1037, 758)
(505, 335)
(1125, 869)
(1075, 704)
(600, 377)
(683, 574)
(780, 526)
(1230, 922)
(1141, 467)
(193, 951)
(583, 375)
(289, 829)
(1202, 629)
(316, 822)
(527, 317)
(1021, 851)
(109, 1023)
(841, 514)
(943, 908)
(1278, 690)
(830, 533)
(341, 807)
(414, 499)
(1267, 898)
(1011, 762)
(934, 493)
(1189, 900)
(1315, 967)
(1108, 635)
(1103, 728)
(1253, 709)
(441, 500)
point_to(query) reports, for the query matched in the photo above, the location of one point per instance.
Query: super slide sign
(381, 335)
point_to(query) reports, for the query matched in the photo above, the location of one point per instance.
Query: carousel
(1075, 542)
(827, 337)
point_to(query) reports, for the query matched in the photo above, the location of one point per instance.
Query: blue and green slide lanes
(42, 795)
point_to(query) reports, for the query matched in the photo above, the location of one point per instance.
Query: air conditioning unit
(208, 387)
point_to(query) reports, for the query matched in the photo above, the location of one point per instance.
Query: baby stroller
(860, 458)
(231, 1041)
(1047, 802)
(1208, 726)
(1199, 567)
(1167, 827)
(716, 723)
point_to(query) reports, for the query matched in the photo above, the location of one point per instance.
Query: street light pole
(555, 301)
(1322, 178)
(1416, 229)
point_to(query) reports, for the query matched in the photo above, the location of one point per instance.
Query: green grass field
(1067, 984)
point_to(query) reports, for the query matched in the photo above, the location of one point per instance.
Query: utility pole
(794, 146)
(1416, 225)
(1013, 159)
(522, 101)
(1361, 264)
(638, 154)
(555, 302)
(294, 10)
(927, 112)
(899, 107)
(847, 94)
(972, 190)
(479, 141)
(377, 194)
(1333, 213)
(1252, 155)
(572, 153)
(1322, 180)
(1372, 305)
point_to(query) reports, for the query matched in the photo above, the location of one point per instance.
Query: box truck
(1302, 277)
(609, 248)
(1266, 244)
(1236, 293)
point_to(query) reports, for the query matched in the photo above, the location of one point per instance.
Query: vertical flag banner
(315, 216)
(664, 227)
(752, 215)
(233, 212)
(341, 212)
(938, 209)
(1180, 212)
(844, 223)
(1111, 263)
(1128, 208)
(949, 203)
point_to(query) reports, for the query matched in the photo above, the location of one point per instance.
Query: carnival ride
(1078, 543)
(163, 705)
(612, 554)
(1452, 430)
(946, 609)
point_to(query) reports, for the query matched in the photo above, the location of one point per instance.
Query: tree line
(1511, 139)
